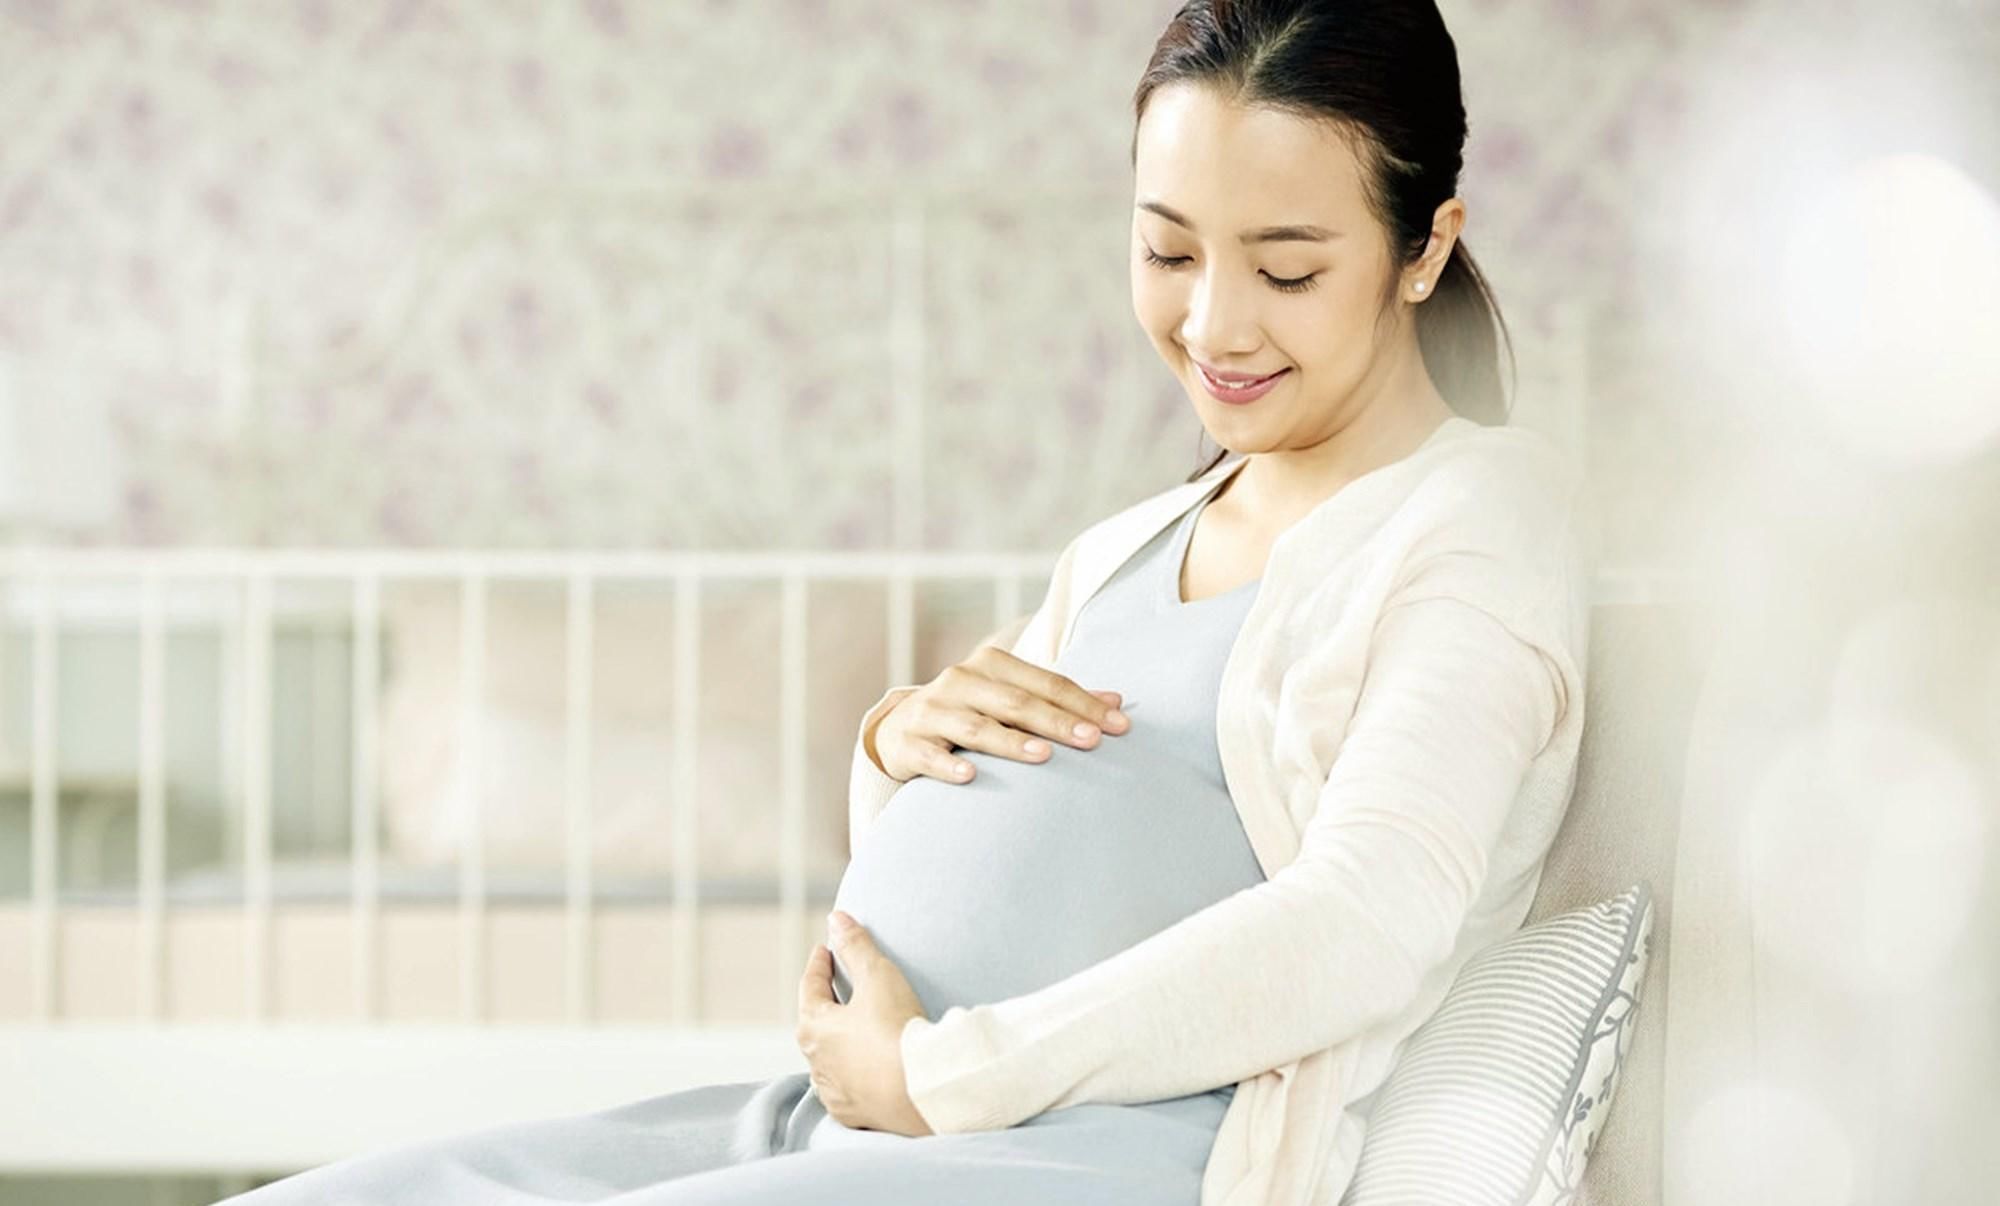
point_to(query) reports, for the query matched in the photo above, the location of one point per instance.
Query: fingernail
(1118, 718)
(839, 920)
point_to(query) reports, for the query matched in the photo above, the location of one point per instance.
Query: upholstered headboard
(1623, 826)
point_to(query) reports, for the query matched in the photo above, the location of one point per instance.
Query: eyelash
(1299, 285)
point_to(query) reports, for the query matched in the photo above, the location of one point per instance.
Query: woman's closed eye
(1294, 285)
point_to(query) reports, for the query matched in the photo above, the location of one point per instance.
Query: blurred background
(441, 389)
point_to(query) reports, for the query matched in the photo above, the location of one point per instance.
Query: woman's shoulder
(1495, 484)
(1500, 521)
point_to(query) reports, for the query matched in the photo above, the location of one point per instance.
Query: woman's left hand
(856, 1049)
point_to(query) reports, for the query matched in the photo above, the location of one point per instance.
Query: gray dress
(977, 891)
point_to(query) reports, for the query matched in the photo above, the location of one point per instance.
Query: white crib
(284, 1005)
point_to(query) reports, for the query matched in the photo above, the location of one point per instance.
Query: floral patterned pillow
(1534, 1084)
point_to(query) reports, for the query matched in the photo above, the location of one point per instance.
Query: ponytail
(1457, 331)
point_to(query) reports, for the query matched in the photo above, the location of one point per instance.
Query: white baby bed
(268, 1013)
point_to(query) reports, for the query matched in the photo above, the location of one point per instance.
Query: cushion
(1499, 1096)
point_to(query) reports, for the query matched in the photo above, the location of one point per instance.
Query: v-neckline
(1177, 559)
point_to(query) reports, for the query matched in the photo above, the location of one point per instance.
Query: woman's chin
(1234, 428)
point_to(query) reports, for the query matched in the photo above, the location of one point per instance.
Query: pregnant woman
(1148, 890)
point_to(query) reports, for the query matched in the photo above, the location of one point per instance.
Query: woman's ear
(1447, 223)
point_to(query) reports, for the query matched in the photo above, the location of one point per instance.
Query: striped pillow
(1499, 1096)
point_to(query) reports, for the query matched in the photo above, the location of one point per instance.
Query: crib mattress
(329, 880)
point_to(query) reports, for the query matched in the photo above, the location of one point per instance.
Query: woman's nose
(1221, 322)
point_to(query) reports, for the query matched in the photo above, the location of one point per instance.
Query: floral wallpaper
(773, 273)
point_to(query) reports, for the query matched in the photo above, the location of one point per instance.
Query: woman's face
(1303, 300)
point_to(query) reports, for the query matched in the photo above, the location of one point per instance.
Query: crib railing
(143, 577)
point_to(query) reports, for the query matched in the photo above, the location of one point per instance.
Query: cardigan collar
(1114, 541)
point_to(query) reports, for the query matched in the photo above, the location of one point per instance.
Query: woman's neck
(1277, 488)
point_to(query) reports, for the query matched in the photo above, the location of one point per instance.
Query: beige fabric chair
(1623, 825)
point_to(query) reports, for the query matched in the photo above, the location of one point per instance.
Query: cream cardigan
(1398, 722)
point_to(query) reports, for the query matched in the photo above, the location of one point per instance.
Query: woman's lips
(1239, 393)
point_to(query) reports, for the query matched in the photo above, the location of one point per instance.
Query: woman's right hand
(996, 703)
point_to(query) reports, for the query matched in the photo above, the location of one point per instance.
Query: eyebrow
(1269, 234)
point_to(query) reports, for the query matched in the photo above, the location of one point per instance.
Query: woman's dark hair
(1385, 74)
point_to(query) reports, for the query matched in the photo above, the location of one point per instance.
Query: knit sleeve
(1453, 709)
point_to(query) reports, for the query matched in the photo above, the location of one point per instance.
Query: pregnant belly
(1034, 871)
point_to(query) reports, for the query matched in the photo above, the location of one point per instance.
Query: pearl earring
(1421, 286)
